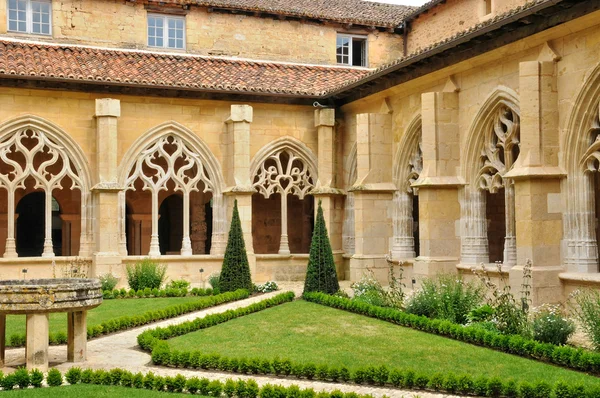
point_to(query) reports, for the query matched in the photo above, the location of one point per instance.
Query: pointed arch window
(284, 172)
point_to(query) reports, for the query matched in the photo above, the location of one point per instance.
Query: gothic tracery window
(284, 173)
(168, 166)
(499, 153)
(30, 161)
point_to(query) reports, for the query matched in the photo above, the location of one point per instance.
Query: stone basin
(49, 295)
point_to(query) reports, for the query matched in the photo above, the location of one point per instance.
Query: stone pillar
(237, 173)
(106, 191)
(326, 187)
(2, 339)
(537, 178)
(77, 336)
(48, 247)
(36, 349)
(372, 195)
(439, 184)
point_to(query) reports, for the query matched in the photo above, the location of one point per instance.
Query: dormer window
(30, 16)
(166, 31)
(351, 50)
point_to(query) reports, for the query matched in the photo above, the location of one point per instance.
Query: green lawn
(89, 391)
(109, 309)
(307, 332)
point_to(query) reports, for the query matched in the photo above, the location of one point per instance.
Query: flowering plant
(267, 287)
(550, 326)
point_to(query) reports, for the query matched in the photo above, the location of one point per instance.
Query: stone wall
(120, 24)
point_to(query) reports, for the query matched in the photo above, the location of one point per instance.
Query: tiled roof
(20, 59)
(345, 11)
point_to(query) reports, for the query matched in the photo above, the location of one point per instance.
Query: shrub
(145, 274)
(586, 308)
(267, 287)
(36, 377)
(8, 382)
(235, 273)
(550, 326)
(510, 314)
(54, 378)
(446, 297)
(73, 375)
(22, 379)
(369, 290)
(321, 275)
(108, 282)
(178, 284)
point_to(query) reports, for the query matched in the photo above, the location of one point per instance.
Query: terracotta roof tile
(141, 68)
(345, 11)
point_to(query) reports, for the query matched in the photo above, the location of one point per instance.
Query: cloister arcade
(174, 203)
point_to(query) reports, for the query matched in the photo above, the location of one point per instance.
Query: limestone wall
(112, 23)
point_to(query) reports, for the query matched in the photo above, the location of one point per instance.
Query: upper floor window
(30, 16)
(166, 31)
(351, 50)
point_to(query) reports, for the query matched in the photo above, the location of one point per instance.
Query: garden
(473, 338)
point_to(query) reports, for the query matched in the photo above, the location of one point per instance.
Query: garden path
(120, 350)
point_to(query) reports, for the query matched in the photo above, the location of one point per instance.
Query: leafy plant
(446, 297)
(235, 273)
(267, 287)
(510, 314)
(178, 284)
(145, 274)
(54, 378)
(36, 377)
(550, 326)
(108, 281)
(321, 275)
(585, 306)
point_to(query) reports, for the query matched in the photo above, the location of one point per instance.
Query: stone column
(537, 178)
(326, 189)
(372, 195)
(237, 173)
(48, 248)
(36, 349)
(77, 336)
(2, 339)
(106, 191)
(11, 244)
(439, 184)
(403, 246)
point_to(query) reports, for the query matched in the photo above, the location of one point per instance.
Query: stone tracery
(29, 153)
(284, 172)
(169, 159)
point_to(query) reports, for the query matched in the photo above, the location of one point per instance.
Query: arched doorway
(283, 181)
(30, 221)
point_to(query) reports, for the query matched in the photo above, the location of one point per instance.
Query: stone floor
(120, 350)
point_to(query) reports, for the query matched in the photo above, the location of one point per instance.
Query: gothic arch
(579, 159)
(62, 148)
(408, 164)
(289, 168)
(291, 144)
(494, 134)
(196, 156)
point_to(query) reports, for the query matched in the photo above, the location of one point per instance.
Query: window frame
(350, 36)
(29, 18)
(165, 38)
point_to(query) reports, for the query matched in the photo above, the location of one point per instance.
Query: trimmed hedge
(152, 339)
(128, 322)
(249, 388)
(564, 356)
(155, 293)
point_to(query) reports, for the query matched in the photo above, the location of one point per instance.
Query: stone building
(457, 133)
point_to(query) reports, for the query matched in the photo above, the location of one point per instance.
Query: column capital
(240, 113)
(325, 117)
(108, 107)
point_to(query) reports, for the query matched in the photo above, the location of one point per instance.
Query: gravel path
(120, 350)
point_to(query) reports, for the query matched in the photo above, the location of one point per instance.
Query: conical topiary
(321, 275)
(235, 273)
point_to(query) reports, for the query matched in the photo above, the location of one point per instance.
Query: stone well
(37, 298)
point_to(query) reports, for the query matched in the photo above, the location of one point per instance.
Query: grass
(88, 391)
(307, 332)
(109, 309)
